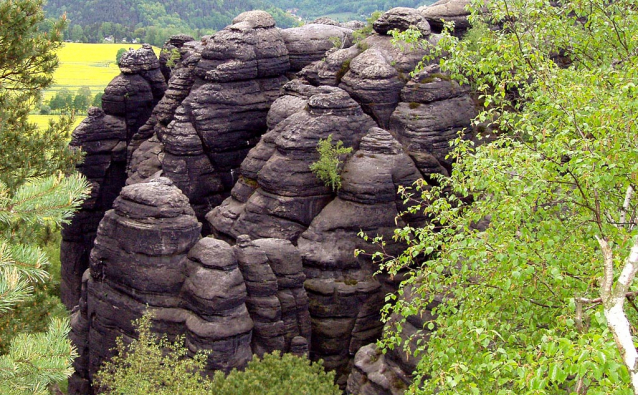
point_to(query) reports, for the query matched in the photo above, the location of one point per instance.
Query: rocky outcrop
(170, 55)
(376, 76)
(401, 19)
(215, 109)
(279, 196)
(447, 11)
(309, 43)
(104, 137)
(148, 255)
(432, 112)
(330, 71)
(225, 149)
(345, 297)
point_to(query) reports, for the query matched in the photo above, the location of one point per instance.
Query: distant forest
(360, 9)
(153, 21)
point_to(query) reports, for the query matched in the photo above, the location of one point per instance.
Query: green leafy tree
(152, 364)
(97, 100)
(328, 167)
(530, 258)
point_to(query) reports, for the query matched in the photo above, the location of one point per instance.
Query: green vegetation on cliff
(533, 248)
(152, 364)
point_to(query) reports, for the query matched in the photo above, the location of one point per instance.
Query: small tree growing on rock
(328, 167)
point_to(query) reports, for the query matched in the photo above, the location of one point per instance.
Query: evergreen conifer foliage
(34, 192)
(34, 360)
(27, 62)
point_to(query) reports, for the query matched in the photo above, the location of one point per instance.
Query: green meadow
(91, 65)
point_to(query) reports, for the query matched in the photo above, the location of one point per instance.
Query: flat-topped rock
(310, 42)
(447, 11)
(401, 19)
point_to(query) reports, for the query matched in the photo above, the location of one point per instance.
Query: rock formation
(104, 136)
(447, 11)
(433, 110)
(222, 230)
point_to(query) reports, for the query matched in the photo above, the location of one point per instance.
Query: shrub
(152, 364)
(328, 167)
(361, 34)
(119, 54)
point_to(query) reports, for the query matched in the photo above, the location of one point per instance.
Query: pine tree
(34, 191)
(27, 62)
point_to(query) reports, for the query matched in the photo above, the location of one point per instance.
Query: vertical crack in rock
(345, 297)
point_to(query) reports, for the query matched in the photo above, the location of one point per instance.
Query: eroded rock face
(433, 110)
(310, 42)
(148, 255)
(345, 297)
(390, 373)
(401, 19)
(231, 140)
(104, 137)
(447, 11)
(215, 109)
(285, 196)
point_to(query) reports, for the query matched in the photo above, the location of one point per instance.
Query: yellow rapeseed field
(91, 65)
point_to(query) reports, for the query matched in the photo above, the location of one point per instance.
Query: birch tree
(541, 300)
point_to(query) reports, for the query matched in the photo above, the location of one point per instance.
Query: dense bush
(152, 364)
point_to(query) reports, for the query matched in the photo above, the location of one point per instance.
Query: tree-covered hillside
(358, 9)
(152, 21)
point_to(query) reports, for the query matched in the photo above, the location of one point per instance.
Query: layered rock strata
(232, 140)
(432, 113)
(447, 11)
(148, 255)
(345, 297)
(215, 109)
(104, 136)
(279, 196)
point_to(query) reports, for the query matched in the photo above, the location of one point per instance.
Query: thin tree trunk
(613, 298)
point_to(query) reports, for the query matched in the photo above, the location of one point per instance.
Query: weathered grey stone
(401, 19)
(289, 195)
(309, 43)
(147, 256)
(330, 70)
(447, 11)
(433, 117)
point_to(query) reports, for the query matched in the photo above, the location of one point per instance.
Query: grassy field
(91, 65)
